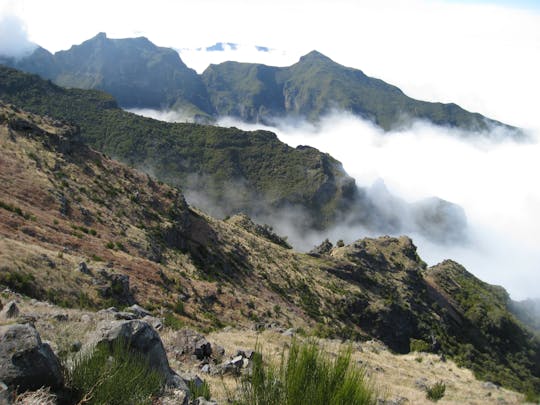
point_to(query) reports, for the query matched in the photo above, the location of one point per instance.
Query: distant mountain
(316, 86)
(222, 46)
(227, 170)
(140, 74)
(134, 70)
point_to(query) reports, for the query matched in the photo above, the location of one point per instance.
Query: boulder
(83, 268)
(5, 395)
(139, 311)
(25, 362)
(189, 342)
(10, 310)
(156, 323)
(141, 338)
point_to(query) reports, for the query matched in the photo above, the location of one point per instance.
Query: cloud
(14, 40)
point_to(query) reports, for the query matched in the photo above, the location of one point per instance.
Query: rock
(323, 249)
(10, 310)
(143, 339)
(189, 342)
(218, 351)
(5, 395)
(203, 401)
(192, 380)
(248, 354)
(205, 369)
(421, 383)
(83, 268)
(85, 318)
(488, 385)
(61, 317)
(25, 362)
(156, 323)
(289, 332)
(125, 315)
(174, 397)
(139, 311)
(75, 346)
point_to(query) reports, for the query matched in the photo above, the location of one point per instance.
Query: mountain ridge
(155, 77)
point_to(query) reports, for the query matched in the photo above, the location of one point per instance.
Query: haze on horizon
(483, 56)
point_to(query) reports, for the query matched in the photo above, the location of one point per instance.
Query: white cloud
(13, 37)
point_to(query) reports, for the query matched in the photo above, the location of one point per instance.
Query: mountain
(81, 230)
(228, 171)
(141, 75)
(138, 73)
(316, 86)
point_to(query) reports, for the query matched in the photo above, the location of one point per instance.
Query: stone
(289, 332)
(203, 401)
(189, 342)
(75, 346)
(323, 249)
(61, 317)
(5, 395)
(141, 338)
(156, 323)
(10, 310)
(25, 361)
(205, 369)
(83, 268)
(125, 315)
(490, 386)
(139, 311)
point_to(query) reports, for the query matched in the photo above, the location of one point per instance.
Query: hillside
(81, 230)
(140, 74)
(228, 171)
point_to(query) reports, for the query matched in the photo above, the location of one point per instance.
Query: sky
(483, 55)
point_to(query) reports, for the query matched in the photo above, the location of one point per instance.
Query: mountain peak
(315, 56)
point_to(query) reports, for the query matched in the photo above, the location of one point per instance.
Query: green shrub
(202, 390)
(436, 391)
(306, 375)
(171, 321)
(419, 345)
(113, 376)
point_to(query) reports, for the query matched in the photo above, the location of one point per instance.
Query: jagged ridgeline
(140, 74)
(80, 229)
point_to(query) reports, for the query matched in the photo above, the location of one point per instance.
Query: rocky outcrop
(141, 338)
(10, 311)
(26, 363)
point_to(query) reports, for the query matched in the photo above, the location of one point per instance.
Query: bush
(436, 391)
(307, 376)
(202, 390)
(419, 345)
(112, 376)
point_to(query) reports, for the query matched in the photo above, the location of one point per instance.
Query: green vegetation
(256, 165)
(306, 376)
(436, 391)
(15, 210)
(112, 376)
(199, 390)
(419, 345)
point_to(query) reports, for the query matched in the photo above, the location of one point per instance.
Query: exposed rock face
(9, 311)
(189, 342)
(324, 248)
(25, 362)
(142, 338)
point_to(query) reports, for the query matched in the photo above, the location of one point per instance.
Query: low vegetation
(112, 376)
(307, 375)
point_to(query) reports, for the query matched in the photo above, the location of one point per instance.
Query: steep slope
(316, 86)
(64, 204)
(134, 70)
(226, 170)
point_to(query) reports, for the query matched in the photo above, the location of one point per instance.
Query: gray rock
(421, 383)
(192, 380)
(490, 386)
(139, 311)
(61, 317)
(205, 369)
(83, 268)
(25, 361)
(203, 401)
(289, 332)
(85, 318)
(156, 323)
(142, 338)
(5, 395)
(189, 342)
(218, 351)
(10, 310)
(129, 316)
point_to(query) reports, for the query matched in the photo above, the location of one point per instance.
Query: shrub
(172, 321)
(436, 391)
(419, 345)
(113, 375)
(200, 390)
(307, 376)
